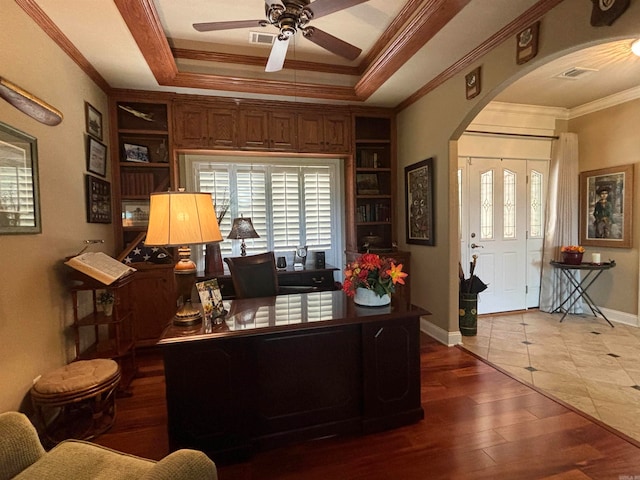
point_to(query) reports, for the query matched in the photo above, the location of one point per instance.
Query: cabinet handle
(316, 281)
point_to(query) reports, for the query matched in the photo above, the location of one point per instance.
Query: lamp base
(187, 315)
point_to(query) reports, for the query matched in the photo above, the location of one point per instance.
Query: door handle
(474, 245)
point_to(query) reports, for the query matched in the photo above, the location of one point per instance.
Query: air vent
(261, 38)
(575, 73)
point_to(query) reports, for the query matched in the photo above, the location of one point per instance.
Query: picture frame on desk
(418, 186)
(606, 207)
(96, 156)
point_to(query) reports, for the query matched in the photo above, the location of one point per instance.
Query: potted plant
(371, 280)
(107, 299)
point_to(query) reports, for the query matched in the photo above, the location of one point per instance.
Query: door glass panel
(535, 209)
(486, 205)
(509, 205)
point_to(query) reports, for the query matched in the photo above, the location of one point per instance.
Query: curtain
(561, 222)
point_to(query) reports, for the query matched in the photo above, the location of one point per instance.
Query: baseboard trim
(616, 316)
(446, 338)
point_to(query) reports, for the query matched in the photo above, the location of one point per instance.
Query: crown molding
(603, 103)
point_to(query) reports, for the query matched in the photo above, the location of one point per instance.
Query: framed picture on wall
(96, 156)
(418, 187)
(606, 202)
(93, 120)
(527, 43)
(98, 200)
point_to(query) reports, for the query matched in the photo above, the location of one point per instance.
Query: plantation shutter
(251, 195)
(285, 201)
(317, 203)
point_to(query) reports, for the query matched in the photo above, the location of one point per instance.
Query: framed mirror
(19, 191)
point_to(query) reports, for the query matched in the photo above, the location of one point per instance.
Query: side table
(580, 287)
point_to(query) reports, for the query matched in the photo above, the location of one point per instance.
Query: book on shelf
(100, 266)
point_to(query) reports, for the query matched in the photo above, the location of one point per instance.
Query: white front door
(502, 221)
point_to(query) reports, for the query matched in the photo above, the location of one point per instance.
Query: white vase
(369, 298)
(108, 309)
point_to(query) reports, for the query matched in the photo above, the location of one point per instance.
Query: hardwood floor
(479, 424)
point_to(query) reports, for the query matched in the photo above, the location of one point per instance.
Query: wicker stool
(77, 400)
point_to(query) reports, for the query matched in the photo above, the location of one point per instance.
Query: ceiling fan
(289, 16)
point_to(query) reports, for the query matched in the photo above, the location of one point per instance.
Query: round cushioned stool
(77, 400)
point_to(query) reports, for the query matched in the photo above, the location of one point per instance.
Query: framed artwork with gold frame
(606, 203)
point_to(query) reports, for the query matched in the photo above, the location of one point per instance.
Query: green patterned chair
(23, 457)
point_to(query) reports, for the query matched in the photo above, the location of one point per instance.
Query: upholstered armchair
(22, 457)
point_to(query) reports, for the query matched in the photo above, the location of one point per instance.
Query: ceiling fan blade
(277, 55)
(320, 8)
(213, 26)
(331, 43)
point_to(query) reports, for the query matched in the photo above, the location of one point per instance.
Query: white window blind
(290, 202)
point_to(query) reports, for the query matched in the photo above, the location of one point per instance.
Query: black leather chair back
(254, 275)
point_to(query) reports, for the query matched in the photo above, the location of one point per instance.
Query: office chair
(254, 275)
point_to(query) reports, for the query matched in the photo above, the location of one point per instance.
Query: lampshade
(242, 228)
(182, 218)
(635, 47)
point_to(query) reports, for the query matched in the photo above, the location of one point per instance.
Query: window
(290, 202)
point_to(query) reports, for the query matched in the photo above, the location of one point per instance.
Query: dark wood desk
(306, 279)
(291, 368)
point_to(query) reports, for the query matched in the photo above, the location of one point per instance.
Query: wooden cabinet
(319, 132)
(111, 336)
(154, 293)
(372, 188)
(142, 163)
(202, 126)
(268, 130)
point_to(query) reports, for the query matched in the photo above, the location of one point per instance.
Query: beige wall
(425, 128)
(35, 309)
(610, 138)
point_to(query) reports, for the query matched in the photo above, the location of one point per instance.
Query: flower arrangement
(106, 298)
(572, 249)
(373, 273)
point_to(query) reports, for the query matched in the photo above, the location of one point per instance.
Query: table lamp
(179, 219)
(242, 228)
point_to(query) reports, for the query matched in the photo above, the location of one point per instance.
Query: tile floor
(581, 361)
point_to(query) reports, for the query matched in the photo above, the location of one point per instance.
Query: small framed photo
(418, 185)
(211, 299)
(136, 153)
(472, 84)
(96, 156)
(98, 200)
(527, 43)
(135, 213)
(93, 120)
(606, 203)
(367, 184)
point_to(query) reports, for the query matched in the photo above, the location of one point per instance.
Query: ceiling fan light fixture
(635, 47)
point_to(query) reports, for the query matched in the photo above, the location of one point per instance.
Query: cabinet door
(282, 131)
(254, 130)
(391, 373)
(155, 301)
(310, 132)
(336, 133)
(222, 128)
(191, 126)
